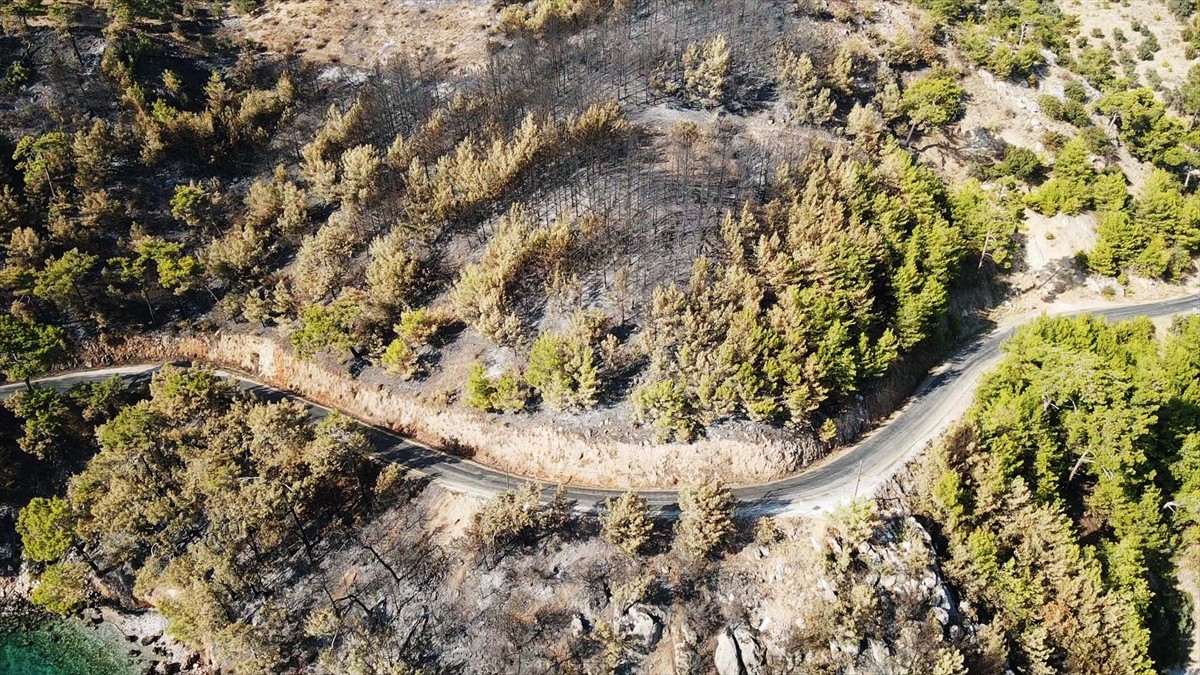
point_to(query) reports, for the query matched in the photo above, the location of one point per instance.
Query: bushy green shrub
(1069, 188)
(504, 393)
(44, 418)
(564, 369)
(403, 354)
(1076, 113)
(15, 77)
(1109, 192)
(663, 404)
(706, 518)
(626, 523)
(46, 529)
(419, 326)
(1073, 90)
(983, 220)
(1019, 162)
(1155, 260)
(400, 359)
(1050, 106)
(1154, 235)
(933, 100)
(326, 328)
(519, 516)
(1149, 131)
(1148, 47)
(1096, 66)
(62, 588)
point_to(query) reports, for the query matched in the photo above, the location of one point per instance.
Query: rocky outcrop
(738, 652)
(642, 626)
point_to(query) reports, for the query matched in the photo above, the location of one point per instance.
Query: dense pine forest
(1067, 497)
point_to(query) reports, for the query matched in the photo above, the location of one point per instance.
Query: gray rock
(689, 634)
(738, 652)
(726, 658)
(845, 645)
(685, 650)
(579, 625)
(642, 625)
(684, 655)
(749, 650)
(941, 598)
(827, 590)
(879, 652)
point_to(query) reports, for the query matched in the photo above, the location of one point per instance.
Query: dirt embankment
(542, 452)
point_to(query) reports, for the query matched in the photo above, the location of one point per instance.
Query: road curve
(856, 471)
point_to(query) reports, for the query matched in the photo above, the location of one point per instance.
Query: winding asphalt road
(856, 471)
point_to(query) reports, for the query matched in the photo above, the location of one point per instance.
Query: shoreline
(137, 639)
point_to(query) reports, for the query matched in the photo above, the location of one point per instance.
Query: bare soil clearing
(364, 33)
(1169, 61)
(1010, 111)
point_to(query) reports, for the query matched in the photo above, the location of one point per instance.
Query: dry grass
(1105, 15)
(364, 33)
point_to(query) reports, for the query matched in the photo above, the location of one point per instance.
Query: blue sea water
(65, 647)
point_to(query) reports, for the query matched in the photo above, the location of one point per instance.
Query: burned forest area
(374, 337)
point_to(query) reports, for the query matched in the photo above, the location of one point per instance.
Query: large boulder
(726, 658)
(642, 625)
(738, 652)
(749, 650)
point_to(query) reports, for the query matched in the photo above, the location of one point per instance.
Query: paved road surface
(857, 471)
